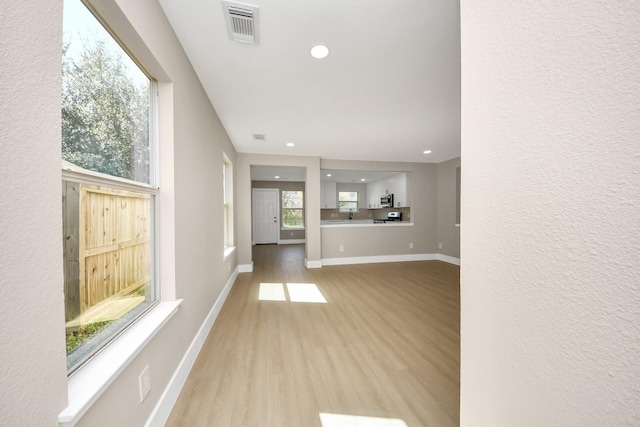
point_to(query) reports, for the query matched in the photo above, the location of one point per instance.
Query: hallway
(373, 343)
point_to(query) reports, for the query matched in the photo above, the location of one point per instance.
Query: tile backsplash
(327, 214)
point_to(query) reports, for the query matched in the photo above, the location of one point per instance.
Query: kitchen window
(348, 201)
(109, 187)
(292, 209)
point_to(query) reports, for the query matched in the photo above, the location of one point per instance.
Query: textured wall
(550, 279)
(32, 352)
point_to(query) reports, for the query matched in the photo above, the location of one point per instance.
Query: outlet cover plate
(144, 382)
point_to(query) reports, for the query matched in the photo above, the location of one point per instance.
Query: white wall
(32, 348)
(550, 240)
(33, 380)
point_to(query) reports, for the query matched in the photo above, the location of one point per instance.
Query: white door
(265, 215)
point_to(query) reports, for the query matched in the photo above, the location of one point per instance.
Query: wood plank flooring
(386, 344)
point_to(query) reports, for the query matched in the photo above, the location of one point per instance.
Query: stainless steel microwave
(386, 201)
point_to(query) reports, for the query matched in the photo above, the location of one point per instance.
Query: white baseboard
(162, 410)
(378, 259)
(312, 264)
(291, 241)
(449, 259)
(245, 268)
(390, 258)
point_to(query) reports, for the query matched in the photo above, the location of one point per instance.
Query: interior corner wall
(550, 239)
(33, 386)
(448, 231)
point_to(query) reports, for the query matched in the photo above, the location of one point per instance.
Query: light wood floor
(386, 344)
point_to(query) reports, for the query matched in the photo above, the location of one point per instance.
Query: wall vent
(242, 22)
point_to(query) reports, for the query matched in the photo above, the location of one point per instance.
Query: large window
(348, 201)
(292, 209)
(108, 187)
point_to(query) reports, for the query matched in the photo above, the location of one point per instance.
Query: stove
(391, 217)
(394, 216)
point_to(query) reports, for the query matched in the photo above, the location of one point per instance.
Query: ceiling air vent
(242, 22)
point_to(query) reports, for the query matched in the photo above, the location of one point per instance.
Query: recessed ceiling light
(290, 144)
(426, 152)
(362, 179)
(319, 51)
(328, 174)
(277, 177)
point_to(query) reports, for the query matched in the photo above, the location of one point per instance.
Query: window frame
(227, 205)
(80, 175)
(357, 201)
(283, 209)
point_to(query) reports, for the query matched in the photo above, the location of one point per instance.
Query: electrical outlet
(341, 248)
(439, 245)
(144, 382)
(410, 245)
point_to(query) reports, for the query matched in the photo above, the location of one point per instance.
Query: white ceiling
(285, 173)
(289, 173)
(389, 89)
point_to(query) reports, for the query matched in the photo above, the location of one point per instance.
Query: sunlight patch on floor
(298, 292)
(271, 292)
(305, 292)
(341, 420)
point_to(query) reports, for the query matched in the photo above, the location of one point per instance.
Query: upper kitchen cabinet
(375, 190)
(399, 185)
(328, 195)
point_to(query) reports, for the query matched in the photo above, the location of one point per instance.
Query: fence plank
(71, 257)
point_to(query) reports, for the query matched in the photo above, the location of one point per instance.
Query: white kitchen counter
(362, 223)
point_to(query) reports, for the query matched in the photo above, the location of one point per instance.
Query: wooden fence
(107, 244)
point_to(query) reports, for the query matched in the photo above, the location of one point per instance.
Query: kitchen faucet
(350, 214)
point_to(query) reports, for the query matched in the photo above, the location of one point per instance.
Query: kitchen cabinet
(375, 189)
(398, 185)
(328, 195)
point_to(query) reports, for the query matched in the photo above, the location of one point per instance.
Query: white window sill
(228, 251)
(291, 228)
(87, 384)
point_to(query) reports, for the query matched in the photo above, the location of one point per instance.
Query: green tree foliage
(292, 204)
(105, 116)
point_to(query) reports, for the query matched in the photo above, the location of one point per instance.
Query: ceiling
(389, 89)
(290, 173)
